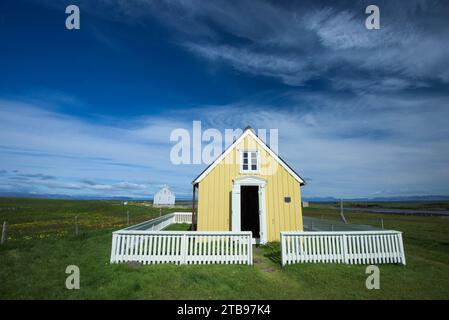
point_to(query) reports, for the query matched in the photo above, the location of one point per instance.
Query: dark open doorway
(249, 209)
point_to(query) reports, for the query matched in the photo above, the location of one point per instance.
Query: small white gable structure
(164, 197)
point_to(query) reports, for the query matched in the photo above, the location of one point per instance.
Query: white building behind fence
(164, 197)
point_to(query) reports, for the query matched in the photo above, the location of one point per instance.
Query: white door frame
(236, 215)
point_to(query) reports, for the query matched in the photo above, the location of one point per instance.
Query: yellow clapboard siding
(214, 193)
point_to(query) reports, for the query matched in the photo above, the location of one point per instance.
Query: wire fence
(316, 224)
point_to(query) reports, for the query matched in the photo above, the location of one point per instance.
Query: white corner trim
(234, 144)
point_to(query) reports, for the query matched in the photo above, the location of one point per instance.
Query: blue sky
(360, 113)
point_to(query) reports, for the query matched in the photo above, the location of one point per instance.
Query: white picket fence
(183, 217)
(352, 247)
(182, 247)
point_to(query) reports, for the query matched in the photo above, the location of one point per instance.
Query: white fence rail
(162, 222)
(352, 247)
(182, 247)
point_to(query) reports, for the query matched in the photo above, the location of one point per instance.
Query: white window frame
(249, 170)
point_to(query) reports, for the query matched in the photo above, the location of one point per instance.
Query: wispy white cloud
(288, 68)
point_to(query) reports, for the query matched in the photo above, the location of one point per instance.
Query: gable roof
(248, 132)
(164, 187)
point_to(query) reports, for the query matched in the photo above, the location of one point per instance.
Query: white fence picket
(353, 247)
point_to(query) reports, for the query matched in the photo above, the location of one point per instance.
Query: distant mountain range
(310, 199)
(382, 199)
(60, 196)
(81, 197)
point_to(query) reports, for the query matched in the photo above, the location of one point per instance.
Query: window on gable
(249, 161)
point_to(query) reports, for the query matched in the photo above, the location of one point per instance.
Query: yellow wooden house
(249, 188)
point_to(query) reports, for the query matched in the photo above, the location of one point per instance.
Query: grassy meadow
(41, 243)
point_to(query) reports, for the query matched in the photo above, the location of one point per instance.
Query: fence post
(344, 248)
(183, 249)
(401, 247)
(113, 249)
(382, 222)
(250, 250)
(4, 233)
(282, 249)
(342, 215)
(76, 225)
(127, 217)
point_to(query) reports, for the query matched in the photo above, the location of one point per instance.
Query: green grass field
(41, 244)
